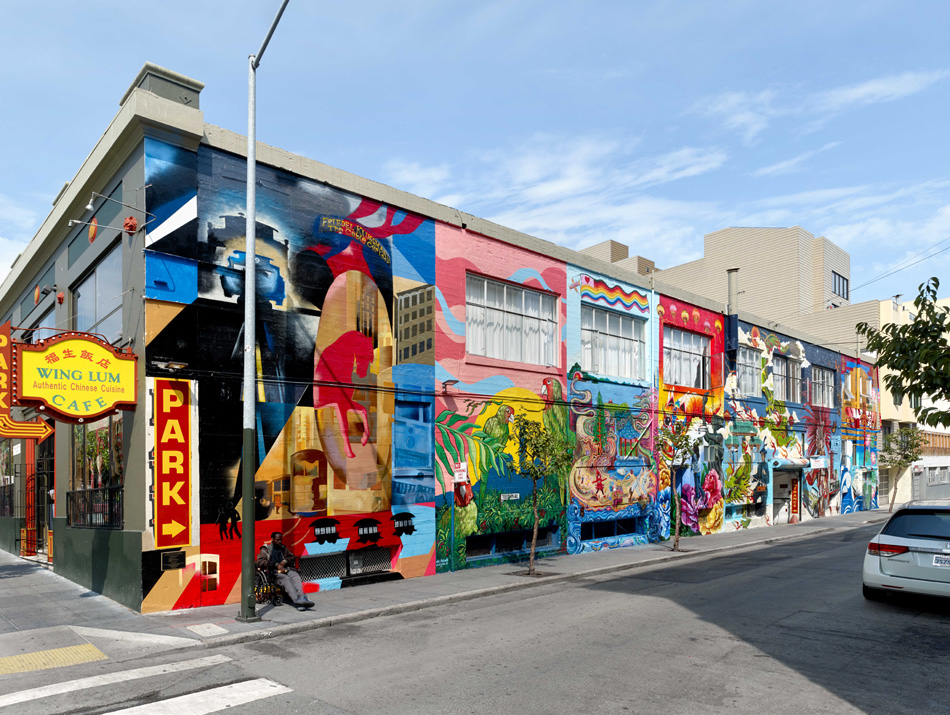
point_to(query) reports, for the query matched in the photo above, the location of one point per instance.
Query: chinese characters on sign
(75, 377)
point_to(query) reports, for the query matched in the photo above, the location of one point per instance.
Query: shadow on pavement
(800, 603)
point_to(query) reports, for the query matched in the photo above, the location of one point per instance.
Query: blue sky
(651, 123)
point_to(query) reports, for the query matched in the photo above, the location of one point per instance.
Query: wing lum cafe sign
(74, 377)
(172, 463)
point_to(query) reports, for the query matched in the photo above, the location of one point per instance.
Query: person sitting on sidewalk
(278, 562)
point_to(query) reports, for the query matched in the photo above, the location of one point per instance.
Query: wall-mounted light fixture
(448, 383)
(130, 224)
(97, 195)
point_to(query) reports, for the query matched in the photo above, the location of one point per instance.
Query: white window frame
(786, 378)
(749, 371)
(822, 386)
(612, 343)
(510, 322)
(687, 358)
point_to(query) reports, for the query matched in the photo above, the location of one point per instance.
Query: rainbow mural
(597, 290)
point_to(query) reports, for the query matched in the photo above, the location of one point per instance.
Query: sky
(649, 123)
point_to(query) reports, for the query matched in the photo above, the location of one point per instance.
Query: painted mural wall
(345, 345)
(614, 491)
(860, 431)
(395, 353)
(691, 398)
(780, 453)
(501, 356)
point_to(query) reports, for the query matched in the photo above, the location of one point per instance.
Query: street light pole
(249, 456)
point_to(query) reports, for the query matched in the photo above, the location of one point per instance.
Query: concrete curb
(291, 628)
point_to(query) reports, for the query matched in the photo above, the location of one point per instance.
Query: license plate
(941, 560)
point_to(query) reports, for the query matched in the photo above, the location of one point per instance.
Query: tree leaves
(918, 353)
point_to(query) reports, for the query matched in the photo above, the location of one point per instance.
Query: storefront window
(97, 474)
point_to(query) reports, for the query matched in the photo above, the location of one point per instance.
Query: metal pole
(249, 452)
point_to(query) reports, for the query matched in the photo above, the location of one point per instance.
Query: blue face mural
(344, 397)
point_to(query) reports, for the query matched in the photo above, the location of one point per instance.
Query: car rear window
(920, 524)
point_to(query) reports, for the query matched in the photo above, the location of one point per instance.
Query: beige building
(784, 272)
(895, 414)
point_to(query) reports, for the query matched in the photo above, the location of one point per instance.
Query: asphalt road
(777, 629)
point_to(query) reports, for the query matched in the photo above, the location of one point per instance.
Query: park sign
(74, 377)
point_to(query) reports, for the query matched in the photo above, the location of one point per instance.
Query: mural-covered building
(398, 340)
(691, 378)
(615, 493)
(784, 445)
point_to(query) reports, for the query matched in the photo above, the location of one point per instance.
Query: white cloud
(746, 113)
(790, 166)
(804, 198)
(874, 91)
(410, 176)
(679, 164)
(17, 217)
(750, 113)
(9, 250)
(577, 191)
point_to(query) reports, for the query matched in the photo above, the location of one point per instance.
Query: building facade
(397, 342)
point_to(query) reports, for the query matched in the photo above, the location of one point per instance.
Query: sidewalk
(40, 610)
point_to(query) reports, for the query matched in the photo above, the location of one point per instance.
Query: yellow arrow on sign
(172, 529)
(37, 429)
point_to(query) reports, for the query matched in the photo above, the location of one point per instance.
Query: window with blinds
(612, 344)
(686, 359)
(509, 322)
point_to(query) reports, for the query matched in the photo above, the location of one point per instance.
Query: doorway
(45, 484)
(784, 495)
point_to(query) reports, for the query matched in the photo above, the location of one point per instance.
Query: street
(777, 629)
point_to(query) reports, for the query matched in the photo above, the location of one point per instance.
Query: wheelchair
(267, 589)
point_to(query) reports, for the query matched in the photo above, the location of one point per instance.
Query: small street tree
(541, 454)
(919, 355)
(677, 447)
(901, 449)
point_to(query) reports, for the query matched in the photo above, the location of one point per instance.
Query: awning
(790, 463)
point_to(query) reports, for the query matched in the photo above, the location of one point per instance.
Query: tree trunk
(893, 491)
(534, 534)
(678, 500)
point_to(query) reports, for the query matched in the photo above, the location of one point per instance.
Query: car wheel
(873, 594)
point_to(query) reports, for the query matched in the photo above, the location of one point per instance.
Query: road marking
(122, 676)
(53, 658)
(211, 701)
(153, 638)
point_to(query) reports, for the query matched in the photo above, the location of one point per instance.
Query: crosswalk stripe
(122, 676)
(210, 701)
